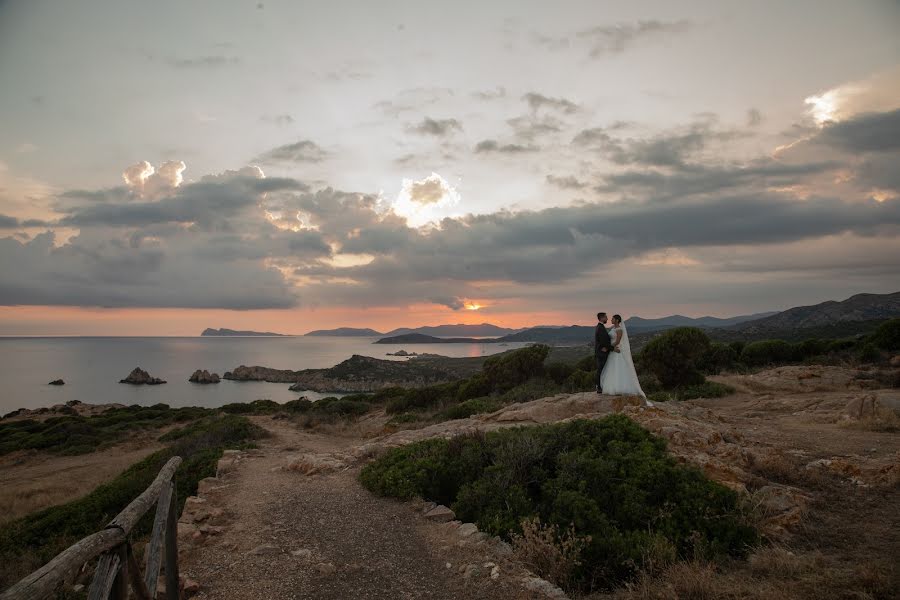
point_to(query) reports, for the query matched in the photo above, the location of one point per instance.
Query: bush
(737, 346)
(674, 356)
(869, 353)
(559, 372)
(837, 346)
(580, 381)
(588, 363)
(810, 348)
(717, 358)
(887, 336)
(767, 352)
(470, 407)
(506, 371)
(611, 481)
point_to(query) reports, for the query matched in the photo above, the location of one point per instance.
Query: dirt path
(275, 533)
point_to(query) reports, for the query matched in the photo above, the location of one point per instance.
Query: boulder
(312, 464)
(440, 513)
(204, 376)
(862, 407)
(57, 382)
(141, 377)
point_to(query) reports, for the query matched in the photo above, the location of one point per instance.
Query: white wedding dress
(618, 376)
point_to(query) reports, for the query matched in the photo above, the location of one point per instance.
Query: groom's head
(601, 317)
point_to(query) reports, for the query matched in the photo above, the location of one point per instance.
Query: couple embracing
(615, 368)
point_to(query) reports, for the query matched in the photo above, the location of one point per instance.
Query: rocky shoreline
(364, 374)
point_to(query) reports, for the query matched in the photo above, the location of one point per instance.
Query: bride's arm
(618, 339)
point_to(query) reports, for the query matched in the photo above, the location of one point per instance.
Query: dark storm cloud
(302, 151)
(537, 101)
(692, 180)
(437, 127)
(452, 302)
(870, 132)
(7, 222)
(487, 146)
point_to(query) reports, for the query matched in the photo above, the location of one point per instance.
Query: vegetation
(625, 499)
(887, 336)
(31, 541)
(674, 357)
(76, 434)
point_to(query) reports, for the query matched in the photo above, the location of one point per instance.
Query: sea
(92, 366)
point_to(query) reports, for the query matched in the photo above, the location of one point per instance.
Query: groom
(602, 346)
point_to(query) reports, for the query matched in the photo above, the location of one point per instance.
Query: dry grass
(549, 553)
(884, 420)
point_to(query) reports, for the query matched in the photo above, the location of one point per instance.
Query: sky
(288, 166)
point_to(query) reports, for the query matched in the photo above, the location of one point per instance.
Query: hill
(344, 332)
(231, 332)
(458, 330)
(826, 315)
(638, 324)
(421, 338)
(572, 334)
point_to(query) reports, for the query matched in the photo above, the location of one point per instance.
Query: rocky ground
(291, 521)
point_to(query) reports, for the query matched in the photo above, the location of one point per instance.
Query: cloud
(530, 127)
(489, 146)
(615, 39)
(495, 94)
(537, 101)
(451, 302)
(301, 151)
(437, 127)
(204, 62)
(426, 200)
(754, 117)
(568, 182)
(280, 120)
(868, 132)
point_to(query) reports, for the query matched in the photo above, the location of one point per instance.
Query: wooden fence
(117, 568)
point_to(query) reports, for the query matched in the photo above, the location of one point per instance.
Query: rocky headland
(138, 376)
(204, 377)
(364, 374)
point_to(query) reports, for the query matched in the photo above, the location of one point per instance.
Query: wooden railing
(117, 567)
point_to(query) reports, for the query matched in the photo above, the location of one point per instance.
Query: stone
(190, 587)
(312, 464)
(138, 376)
(895, 360)
(302, 553)
(471, 571)
(440, 514)
(862, 407)
(428, 505)
(57, 382)
(204, 377)
(265, 549)
(544, 588)
(784, 507)
(325, 568)
(495, 572)
(223, 467)
(467, 529)
(77, 587)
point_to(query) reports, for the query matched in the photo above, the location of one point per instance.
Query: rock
(895, 360)
(204, 376)
(77, 587)
(440, 514)
(862, 407)
(325, 568)
(471, 571)
(57, 382)
(495, 572)
(190, 587)
(428, 505)
(543, 588)
(467, 529)
(265, 549)
(784, 507)
(311, 464)
(303, 553)
(138, 376)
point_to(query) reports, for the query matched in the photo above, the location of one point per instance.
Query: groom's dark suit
(601, 341)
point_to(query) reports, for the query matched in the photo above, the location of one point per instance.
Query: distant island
(457, 330)
(421, 338)
(231, 332)
(344, 332)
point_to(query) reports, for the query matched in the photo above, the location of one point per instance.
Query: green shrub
(837, 346)
(674, 356)
(588, 363)
(257, 407)
(559, 372)
(659, 396)
(887, 336)
(810, 348)
(610, 480)
(767, 352)
(580, 381)
(869, 353)
(737, 346)
(470, 407)
(717, 358)
(506, 371)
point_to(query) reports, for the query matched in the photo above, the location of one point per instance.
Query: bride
(619, 376)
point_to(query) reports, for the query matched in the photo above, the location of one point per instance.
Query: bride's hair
(617, 318)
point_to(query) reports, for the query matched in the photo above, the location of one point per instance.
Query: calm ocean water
(92, 367)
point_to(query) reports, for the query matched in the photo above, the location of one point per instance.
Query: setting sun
(472, 305)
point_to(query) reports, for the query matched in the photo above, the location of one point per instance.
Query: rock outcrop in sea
(141, 377)
(204, 376)
(57, 382)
